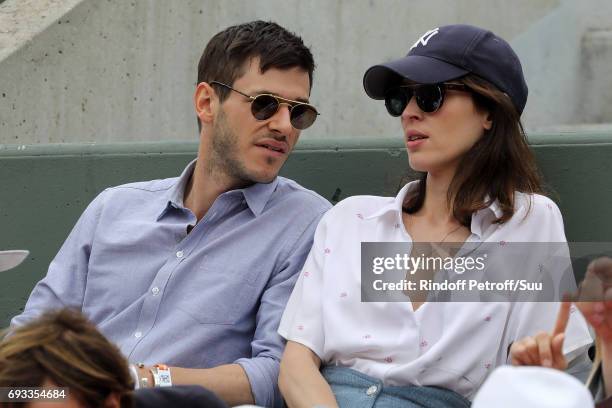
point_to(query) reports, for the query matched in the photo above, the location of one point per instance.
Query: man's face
(246, 149)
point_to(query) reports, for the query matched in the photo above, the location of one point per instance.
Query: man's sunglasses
(264, 106)
(429, 97)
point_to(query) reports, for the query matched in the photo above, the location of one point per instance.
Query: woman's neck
(436, 207)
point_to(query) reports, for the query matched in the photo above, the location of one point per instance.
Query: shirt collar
(482, 219)
(493, 207)
(174, 196)
(479, 218)
(256, 195)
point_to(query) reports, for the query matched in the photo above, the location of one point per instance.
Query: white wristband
(161, 375)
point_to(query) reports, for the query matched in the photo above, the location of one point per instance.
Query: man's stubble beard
(225, 159)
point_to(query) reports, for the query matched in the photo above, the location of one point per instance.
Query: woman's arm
(300, 381)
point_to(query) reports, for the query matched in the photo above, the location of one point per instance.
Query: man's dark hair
(227, 52)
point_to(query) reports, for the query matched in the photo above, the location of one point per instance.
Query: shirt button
(155, 291)
(372, 390)
(179, 254)
(138, 334)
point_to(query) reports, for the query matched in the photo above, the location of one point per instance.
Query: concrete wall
(567, 56)
(114, 70)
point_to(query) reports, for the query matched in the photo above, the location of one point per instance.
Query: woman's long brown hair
(64, 348)
(499, 164)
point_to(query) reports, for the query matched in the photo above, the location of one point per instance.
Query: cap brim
(417, 68)
(11, 259)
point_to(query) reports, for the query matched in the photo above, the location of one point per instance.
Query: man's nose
(281, 121)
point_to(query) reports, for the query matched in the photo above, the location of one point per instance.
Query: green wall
(45, 188)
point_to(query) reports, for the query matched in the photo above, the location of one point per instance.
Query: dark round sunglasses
(429, 97)
(264, 106)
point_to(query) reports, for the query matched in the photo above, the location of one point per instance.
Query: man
(194, 272)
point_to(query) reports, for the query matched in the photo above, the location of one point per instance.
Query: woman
(594, 300)
(63, 352)
(63, 349)
(479, 185)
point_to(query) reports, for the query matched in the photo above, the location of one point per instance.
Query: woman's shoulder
(363, 203)
(538, 204)
(536, 218)
(355, 208)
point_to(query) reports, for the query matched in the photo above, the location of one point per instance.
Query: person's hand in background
(594, 299)
(544, 349)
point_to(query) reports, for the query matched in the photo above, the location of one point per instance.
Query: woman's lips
(413, 144)
(414, 139)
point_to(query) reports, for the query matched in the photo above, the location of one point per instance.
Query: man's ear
(205, 101)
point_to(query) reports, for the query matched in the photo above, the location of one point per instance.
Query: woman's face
(437, 141)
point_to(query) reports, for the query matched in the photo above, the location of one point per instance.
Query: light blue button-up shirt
(210, 297)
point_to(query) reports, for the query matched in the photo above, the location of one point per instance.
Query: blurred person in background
(62, 349)
(594, 300)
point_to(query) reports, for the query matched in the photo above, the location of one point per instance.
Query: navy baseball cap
(450, 52)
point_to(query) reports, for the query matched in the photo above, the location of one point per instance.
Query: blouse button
(372, 390)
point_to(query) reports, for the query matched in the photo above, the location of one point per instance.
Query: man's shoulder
(292, 193)
(147, 188)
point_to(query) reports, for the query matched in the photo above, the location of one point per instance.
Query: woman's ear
(205, 102)
(487, 123)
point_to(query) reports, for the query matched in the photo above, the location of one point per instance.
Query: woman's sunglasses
(429, 97)
(264, 106)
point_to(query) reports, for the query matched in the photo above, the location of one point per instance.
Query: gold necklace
(447, 235)
(437, 246)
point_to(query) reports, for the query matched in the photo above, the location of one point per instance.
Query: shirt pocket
(220, 294)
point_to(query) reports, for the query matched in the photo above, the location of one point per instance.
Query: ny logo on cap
(425, 38)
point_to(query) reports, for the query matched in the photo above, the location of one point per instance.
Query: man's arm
(229, 381)
(64, 284)
(255, 380)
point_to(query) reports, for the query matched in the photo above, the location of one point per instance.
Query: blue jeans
(353, 389)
